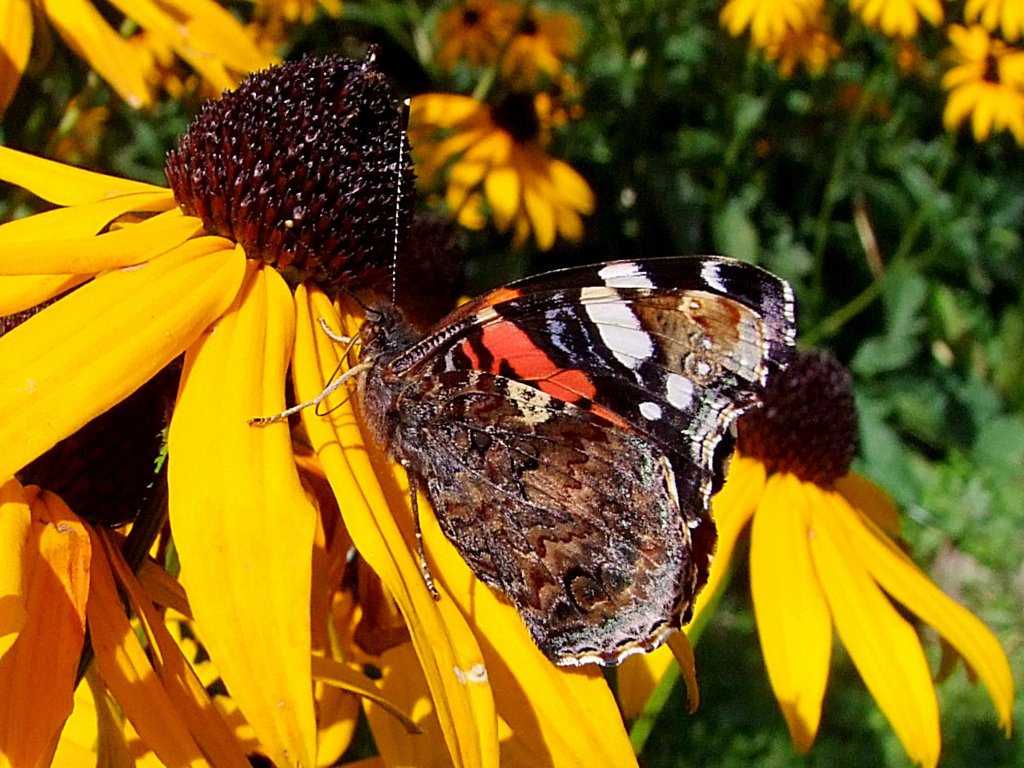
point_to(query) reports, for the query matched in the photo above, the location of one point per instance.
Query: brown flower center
(305, 165)
(808, 425)
(516, 115)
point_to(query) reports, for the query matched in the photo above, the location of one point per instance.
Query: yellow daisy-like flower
(1006, 16)
(898, 18)
(475, 31)
(496, 164)
(824, 557)
(200, 32)
(768, 22)
(811, 46)
(264, 533)
(985, 83)
(542, 43)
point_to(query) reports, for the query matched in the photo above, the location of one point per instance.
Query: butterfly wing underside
(569, 431)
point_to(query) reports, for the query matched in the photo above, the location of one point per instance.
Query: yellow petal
(207, 36)
(871, 501)
(64, 184)
(638, 676)
(125, 668)
(789, 606)
(15, 528)
(37, 674)
(89, 35)
(402, 682)
(339, 675)
(124, 247)
(179, 679)
(464, 712)
(883, 646)
(732, 507)
(540, 213)
(15, 44)
(534, 696)
(897, 575)
(83, 219)
(94, 347)
(21, 292)
(242, 523)
(501, 188)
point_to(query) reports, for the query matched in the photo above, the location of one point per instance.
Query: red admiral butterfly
(570, 429)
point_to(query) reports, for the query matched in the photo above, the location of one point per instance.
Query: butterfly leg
(420, 551)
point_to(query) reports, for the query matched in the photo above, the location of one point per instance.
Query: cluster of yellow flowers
(489, 150)
(984, 70)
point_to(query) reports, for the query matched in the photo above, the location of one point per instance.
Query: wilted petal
(63, 184)
(179, 680)
(125, 668)
(882, 645)
(37, 674)
(15, 529)
(897, 575)
(241, 521)
(792, 615)
(464, 715)
(81, 355)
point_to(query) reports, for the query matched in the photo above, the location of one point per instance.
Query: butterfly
(570, 428)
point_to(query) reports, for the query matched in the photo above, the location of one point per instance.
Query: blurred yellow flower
(1006, 16)
(811, 46)
(824, 555)
(898, 18)
(200, 32)
(768, 21)
(542, 43)
(985, 84)
(497, 165)
(475, 31)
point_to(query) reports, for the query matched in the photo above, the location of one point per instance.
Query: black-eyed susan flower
(985, 84)
(278, 191)
(475, 31)
(898, 18)
(1006, 16)
(543, 41)
(199, 32)
(144, 274)
(811, 46)
(496, 165)
(768, 21)
(825, 557)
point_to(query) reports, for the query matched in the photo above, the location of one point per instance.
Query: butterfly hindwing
(576, 520)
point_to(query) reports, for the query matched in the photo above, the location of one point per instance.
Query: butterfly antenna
(403, 130)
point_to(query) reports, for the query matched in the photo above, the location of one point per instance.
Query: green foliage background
(695, 144)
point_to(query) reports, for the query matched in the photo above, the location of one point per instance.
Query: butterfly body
(569, 430)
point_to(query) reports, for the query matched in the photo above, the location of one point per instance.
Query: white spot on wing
(679, 391)
(621, 332)
(711, 275)
(624, 275)
(650, 411)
